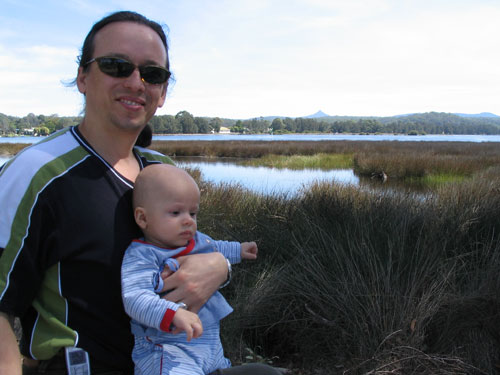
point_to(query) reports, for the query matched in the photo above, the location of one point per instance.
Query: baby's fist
(249, 250)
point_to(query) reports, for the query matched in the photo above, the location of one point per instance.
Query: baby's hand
(188, 322)
(249, 250)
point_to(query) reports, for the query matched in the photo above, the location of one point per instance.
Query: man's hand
(188, 322)
(10, 358)
(249, 250)
(199, 276)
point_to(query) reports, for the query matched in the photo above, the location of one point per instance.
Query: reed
(9, 149)
(363, 281)
(317, 161)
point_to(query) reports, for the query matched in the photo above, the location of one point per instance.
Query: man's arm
(10, 357)
(199, 276)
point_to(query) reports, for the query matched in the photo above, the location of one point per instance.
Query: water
(267, 180)
(301, 137)
(331, 137)
(21, 139)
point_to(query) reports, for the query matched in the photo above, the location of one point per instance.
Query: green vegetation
(316, 161)
(414, 163)
(350, 281)
(8, 149)
(185, 123)
(435, 180)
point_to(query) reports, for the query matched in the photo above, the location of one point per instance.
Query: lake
(301, 137)
(331, 137)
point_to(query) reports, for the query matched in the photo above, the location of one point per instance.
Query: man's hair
(123, 16)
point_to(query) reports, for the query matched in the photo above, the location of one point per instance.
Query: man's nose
(135, 81)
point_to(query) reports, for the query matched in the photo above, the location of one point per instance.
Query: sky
(243, 59)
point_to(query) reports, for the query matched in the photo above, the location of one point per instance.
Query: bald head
(162, 181)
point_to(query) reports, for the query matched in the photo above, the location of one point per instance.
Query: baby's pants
(173, 355)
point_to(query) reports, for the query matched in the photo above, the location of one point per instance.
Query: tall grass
(430, 163)
(11, 148)
(316, 161)
(417, 161)
(358, 282)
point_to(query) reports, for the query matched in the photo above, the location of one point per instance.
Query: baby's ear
(140, 217)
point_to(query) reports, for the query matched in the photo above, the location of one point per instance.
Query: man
(67, 217)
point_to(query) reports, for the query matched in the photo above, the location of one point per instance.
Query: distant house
(224, 130)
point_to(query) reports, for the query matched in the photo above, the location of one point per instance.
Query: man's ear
(81, 81)
(140, 217)
(163, 96)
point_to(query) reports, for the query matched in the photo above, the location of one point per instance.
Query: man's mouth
(132, 102)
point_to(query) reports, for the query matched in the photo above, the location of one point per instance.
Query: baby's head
(166, 202)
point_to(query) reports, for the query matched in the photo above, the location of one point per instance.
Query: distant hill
(482, 114)
(322, 115)
(318, 114)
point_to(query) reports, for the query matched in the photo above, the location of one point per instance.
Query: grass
(8, 149)
(317, 161)
(357, 282)
(436, 180)
(423, 163)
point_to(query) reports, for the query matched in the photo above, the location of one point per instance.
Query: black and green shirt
(66, 220)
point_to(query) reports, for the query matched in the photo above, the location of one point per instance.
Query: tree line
(185, 123)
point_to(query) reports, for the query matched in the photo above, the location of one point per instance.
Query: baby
(166, 202)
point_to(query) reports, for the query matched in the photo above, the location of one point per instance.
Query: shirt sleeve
(27, 235)
(142, 303)
(230, 249)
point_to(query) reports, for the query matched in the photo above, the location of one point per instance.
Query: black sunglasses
(120, 68)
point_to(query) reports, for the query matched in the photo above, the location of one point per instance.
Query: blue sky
(251, 58)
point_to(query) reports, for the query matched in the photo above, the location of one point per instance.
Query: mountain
(317, 115)
(482, 114)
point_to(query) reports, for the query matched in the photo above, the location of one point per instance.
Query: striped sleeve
(139, 268)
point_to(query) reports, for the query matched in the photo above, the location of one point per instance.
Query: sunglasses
(121, 68)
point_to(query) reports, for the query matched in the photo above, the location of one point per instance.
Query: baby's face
(171, 219)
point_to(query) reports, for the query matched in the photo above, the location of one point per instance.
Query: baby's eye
(193, 214)
(175, 213)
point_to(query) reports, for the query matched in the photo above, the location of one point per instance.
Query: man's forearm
(10, 358)
(198, 277)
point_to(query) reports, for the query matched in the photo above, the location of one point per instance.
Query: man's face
(126, 103)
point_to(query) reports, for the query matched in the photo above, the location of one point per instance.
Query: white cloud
(31, 80)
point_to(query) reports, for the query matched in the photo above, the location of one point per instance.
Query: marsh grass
(418, 163)
(435, 180)
(428, 164)
(317, 161)
(360, 282)
(9, 149)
